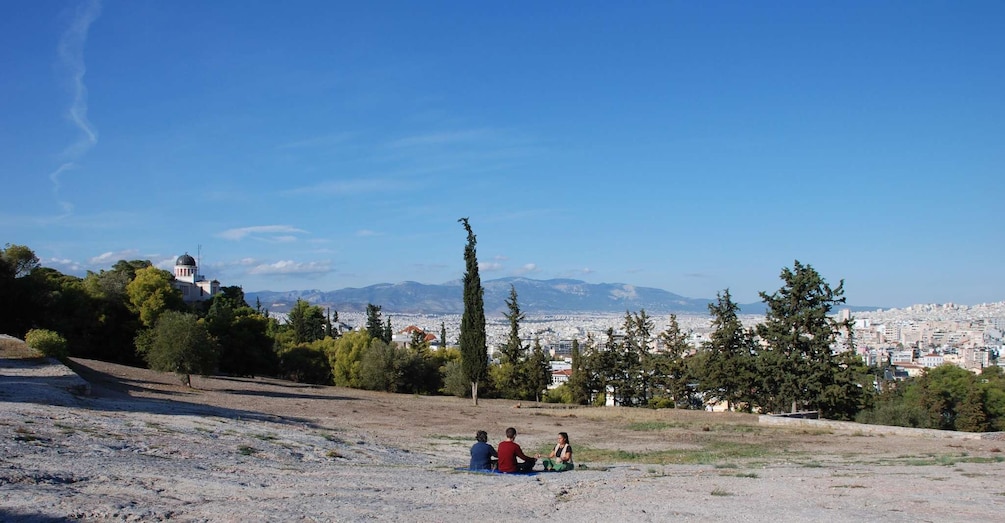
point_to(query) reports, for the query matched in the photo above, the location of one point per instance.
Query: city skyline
(685, 147)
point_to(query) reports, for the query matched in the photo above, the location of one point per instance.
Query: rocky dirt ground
(141, 447)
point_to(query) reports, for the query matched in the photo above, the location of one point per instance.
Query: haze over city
(690, 147)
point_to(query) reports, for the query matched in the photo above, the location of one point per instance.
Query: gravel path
(141, 448)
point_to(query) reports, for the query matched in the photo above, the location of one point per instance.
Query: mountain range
(554, 296)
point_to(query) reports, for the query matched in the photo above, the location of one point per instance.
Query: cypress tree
(388, 332)
(474, 356)
(579, 379)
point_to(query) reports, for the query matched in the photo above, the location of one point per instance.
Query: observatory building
(193, 286)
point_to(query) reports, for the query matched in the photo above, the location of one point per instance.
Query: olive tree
(179, 343)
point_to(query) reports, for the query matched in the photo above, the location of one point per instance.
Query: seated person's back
(509, 451)
(481, 452)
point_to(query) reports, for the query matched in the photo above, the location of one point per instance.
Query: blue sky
(690, 146)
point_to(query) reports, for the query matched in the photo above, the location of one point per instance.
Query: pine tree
(537, 372)
(670, 368)
(728, 374)
(639, 364)
(510, 377)
(306, 321)
(513, 350)
(578, 383)
(418, 343)
(630, 366)
(374, 325)
(970, 414)
(474, 356)
(331, 323)
(798, 365)
(608, 366)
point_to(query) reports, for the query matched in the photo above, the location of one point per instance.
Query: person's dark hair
(482, 436)
(565, 436)
(511, 433)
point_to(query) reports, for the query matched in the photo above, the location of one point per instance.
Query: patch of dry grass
(16, 349)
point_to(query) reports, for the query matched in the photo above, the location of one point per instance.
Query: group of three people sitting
(510, 457)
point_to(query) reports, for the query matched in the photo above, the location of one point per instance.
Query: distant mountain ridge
(534, 296)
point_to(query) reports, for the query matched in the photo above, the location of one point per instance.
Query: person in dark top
(482, 453)
(561, 458)
(509, 451)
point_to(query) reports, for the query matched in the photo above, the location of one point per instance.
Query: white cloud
(347, 187)
(63, 265)
(109, 258)
(166, 263)
(71, 55)
(489, 266)
(528, 268)
(290, 267)
(56, 178)
(71, 65)
(433, 139)
(327, 140)
(364, 233)
(275, 233)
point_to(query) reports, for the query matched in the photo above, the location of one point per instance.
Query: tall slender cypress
(474, 356)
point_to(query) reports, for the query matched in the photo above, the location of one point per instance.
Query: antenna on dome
(198, 258)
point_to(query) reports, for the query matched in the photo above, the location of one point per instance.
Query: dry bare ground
(141, 447)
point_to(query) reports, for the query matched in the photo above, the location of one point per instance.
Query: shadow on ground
(116, 394)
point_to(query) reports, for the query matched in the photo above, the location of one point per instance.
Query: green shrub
(895, 414)
(49, 343)
(661, 403)
(560, 394)
(305, 364)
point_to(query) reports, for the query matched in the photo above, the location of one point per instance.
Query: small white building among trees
(193, 286)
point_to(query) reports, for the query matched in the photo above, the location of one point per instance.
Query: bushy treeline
(131, 314)
(946, 397)
(787, 363)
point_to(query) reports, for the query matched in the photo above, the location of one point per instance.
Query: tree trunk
(474, 392)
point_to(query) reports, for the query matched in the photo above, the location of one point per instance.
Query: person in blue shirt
(482, 453)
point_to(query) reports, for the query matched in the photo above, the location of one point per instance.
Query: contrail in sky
(71, 63)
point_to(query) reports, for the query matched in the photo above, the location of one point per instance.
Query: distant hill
(535, 297)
